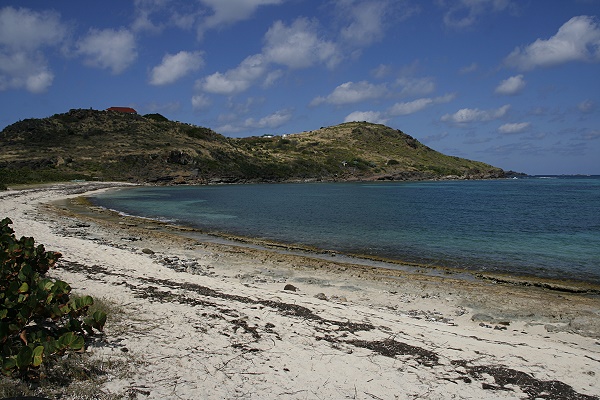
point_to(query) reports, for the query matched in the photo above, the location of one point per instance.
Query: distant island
(114, 145)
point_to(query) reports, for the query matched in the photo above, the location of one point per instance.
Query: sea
(541, 226)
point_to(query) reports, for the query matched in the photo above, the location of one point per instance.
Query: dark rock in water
(291, 288)
(321, 296)
(147, 251)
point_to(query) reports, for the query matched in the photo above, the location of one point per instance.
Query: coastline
(213, 320)
(83, 205)
(426, 226)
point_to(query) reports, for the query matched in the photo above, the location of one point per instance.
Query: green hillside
(107, 145)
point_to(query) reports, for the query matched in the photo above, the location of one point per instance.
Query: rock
(489, 319)
(321, 296)
(339, 298)
(290, 287)
(147, 251)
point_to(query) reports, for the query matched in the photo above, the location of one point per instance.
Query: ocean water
(541, 226)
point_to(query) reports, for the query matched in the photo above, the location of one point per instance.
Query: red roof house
(127, 110)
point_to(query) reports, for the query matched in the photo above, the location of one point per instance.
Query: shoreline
(562, 284)
(213, 320)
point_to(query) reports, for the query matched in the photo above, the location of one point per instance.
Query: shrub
(38, 318)
(156, 117)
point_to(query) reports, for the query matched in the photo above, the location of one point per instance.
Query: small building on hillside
(126, 110)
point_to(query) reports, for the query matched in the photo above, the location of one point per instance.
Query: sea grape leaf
(81, 302)
(8, 364)
(97, 321)
(24, 288)
(38, 356)
(61, 287)
(24, 357)
(71, 340)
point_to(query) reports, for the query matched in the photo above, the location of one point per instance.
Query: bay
(539, 226)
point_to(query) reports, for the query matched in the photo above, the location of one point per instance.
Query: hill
(108, 145)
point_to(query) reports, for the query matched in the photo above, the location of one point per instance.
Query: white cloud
(28, 30)
(23, 70)
(298, 46)
(467, 115)
(469, 68)
(108, 49)
(514, 127)
(398, 109)
(381, 71)
(200, 101)
(511, 86)
(577, 40)
(586, 106)
(351, 92)
(410, 107)
(143, 11)
(176, 66)
(272, 77)
(366, 21)
(244, 107)
(230, 11)
(272, 121)
(592, 135)
(235, 80)
(39, 82)
(417, 105)
(415, 86)
(465, 13)
(23, 35)
(369, 116)
(155, 15)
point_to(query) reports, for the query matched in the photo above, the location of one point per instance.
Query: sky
(514, 83)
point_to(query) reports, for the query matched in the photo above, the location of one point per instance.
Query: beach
(205, 319)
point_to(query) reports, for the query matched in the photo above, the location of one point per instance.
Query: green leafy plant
(38, 318)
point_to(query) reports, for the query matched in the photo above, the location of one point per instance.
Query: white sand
(230, 330)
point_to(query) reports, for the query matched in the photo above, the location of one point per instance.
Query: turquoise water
(547, 227)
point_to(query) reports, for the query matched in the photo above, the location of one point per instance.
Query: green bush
(38, 318)
(156, 117)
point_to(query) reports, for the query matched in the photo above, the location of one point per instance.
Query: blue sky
(512, 83)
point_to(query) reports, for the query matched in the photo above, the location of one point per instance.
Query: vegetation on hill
(103, 145)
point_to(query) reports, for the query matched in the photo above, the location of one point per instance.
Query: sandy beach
(207, 320)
